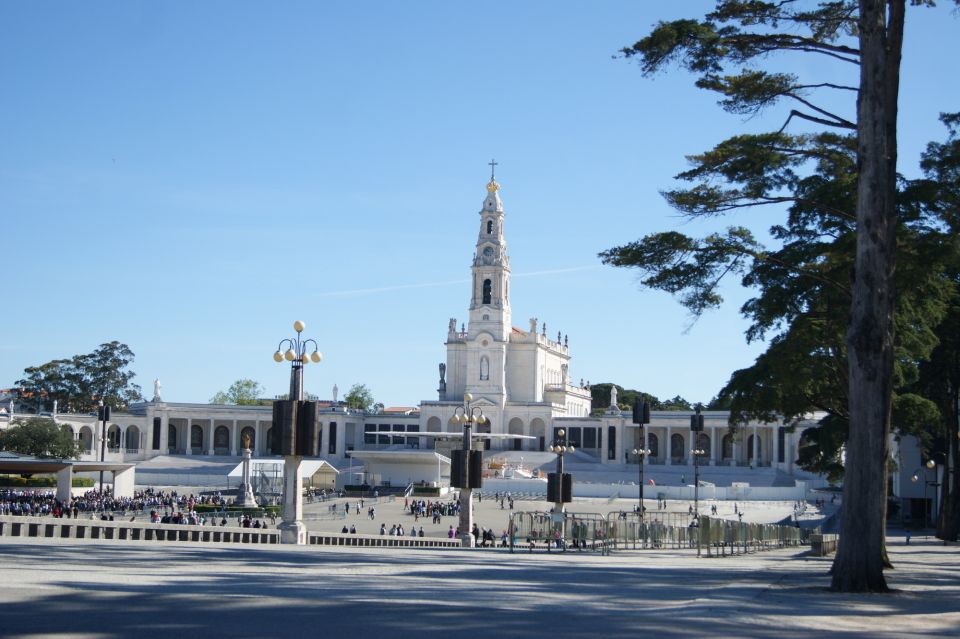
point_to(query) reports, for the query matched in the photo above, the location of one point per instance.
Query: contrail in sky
(401, 287)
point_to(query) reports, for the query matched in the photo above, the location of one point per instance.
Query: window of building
(489, 227)
(487, 291)
(590, 438)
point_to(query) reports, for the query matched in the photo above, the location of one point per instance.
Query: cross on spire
(493, 167)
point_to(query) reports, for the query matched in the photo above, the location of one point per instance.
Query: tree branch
(794, 112)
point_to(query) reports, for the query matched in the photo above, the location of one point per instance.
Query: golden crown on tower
(492, 186)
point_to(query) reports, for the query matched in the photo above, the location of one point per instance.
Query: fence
(656, 529)
(63, 528)
(531, 530)
(721, 537)
(379, 541)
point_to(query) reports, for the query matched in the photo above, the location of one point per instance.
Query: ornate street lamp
(296, 354)
(294, 432)
(466, 469)
(696, 429)
(641, 454)
(641, 417)
(560, 487)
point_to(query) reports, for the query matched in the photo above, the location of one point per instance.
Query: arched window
(487, 290)
(196, 436)
(221, 437)
(654, 444)
(489, 227)
(676, 446)
(133, 438)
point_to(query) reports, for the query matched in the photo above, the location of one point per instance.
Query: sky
(189, 178)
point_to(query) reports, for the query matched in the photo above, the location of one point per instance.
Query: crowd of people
(164, 507)
(433, 509)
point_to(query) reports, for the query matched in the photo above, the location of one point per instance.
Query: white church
(519, 377)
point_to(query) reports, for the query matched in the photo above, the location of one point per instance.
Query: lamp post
(696, 428)
(292, 529)
(697, 452)
(467, 417)
(103, 414)
(641, 454)
(930, 465)
(641, 417)
(560, 447)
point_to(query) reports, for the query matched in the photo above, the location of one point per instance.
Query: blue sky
(189, 178)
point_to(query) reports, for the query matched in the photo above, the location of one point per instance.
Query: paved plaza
(178, 590)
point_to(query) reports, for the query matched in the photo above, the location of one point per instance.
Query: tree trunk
(858, 565)
(950, 513)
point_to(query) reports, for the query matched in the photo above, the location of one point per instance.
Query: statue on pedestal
(156, 390)
(336, 391)
(245, 498)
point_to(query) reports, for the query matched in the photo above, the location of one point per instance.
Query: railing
(63, 528)
(379, 541)
(721, 537)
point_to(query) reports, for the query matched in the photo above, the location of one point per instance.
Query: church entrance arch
(113, 437)
(539, 430)
(221, 440)
(677, 447)
(515, 427)
(85, 439)
(133, 439)
(433, 426)
(196, 439)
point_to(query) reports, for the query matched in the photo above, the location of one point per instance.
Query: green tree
(243, 392)
(79, 383)
(40, 437)
(833, 182)
(359, 397)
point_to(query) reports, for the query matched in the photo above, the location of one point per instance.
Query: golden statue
(247, 440)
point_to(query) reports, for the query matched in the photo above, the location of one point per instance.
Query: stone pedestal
(245, 496)
(466, 518)
(292, 530)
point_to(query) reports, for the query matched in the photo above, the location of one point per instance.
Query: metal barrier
(63, 528)
(657, 529)
(529, 530)
(379, 541)
(722, 537)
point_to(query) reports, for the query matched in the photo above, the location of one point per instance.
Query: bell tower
(490, 299)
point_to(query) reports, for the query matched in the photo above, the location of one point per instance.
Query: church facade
(520, 378)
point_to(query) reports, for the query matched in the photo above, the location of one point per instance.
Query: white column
(188, 438)
(259, 440)
(753, 449)
(292, 530)
(164, 432)
(714, 445)
(667, 448)
(233, 438)
(775, 445)
(213, 426)
(736, 448)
